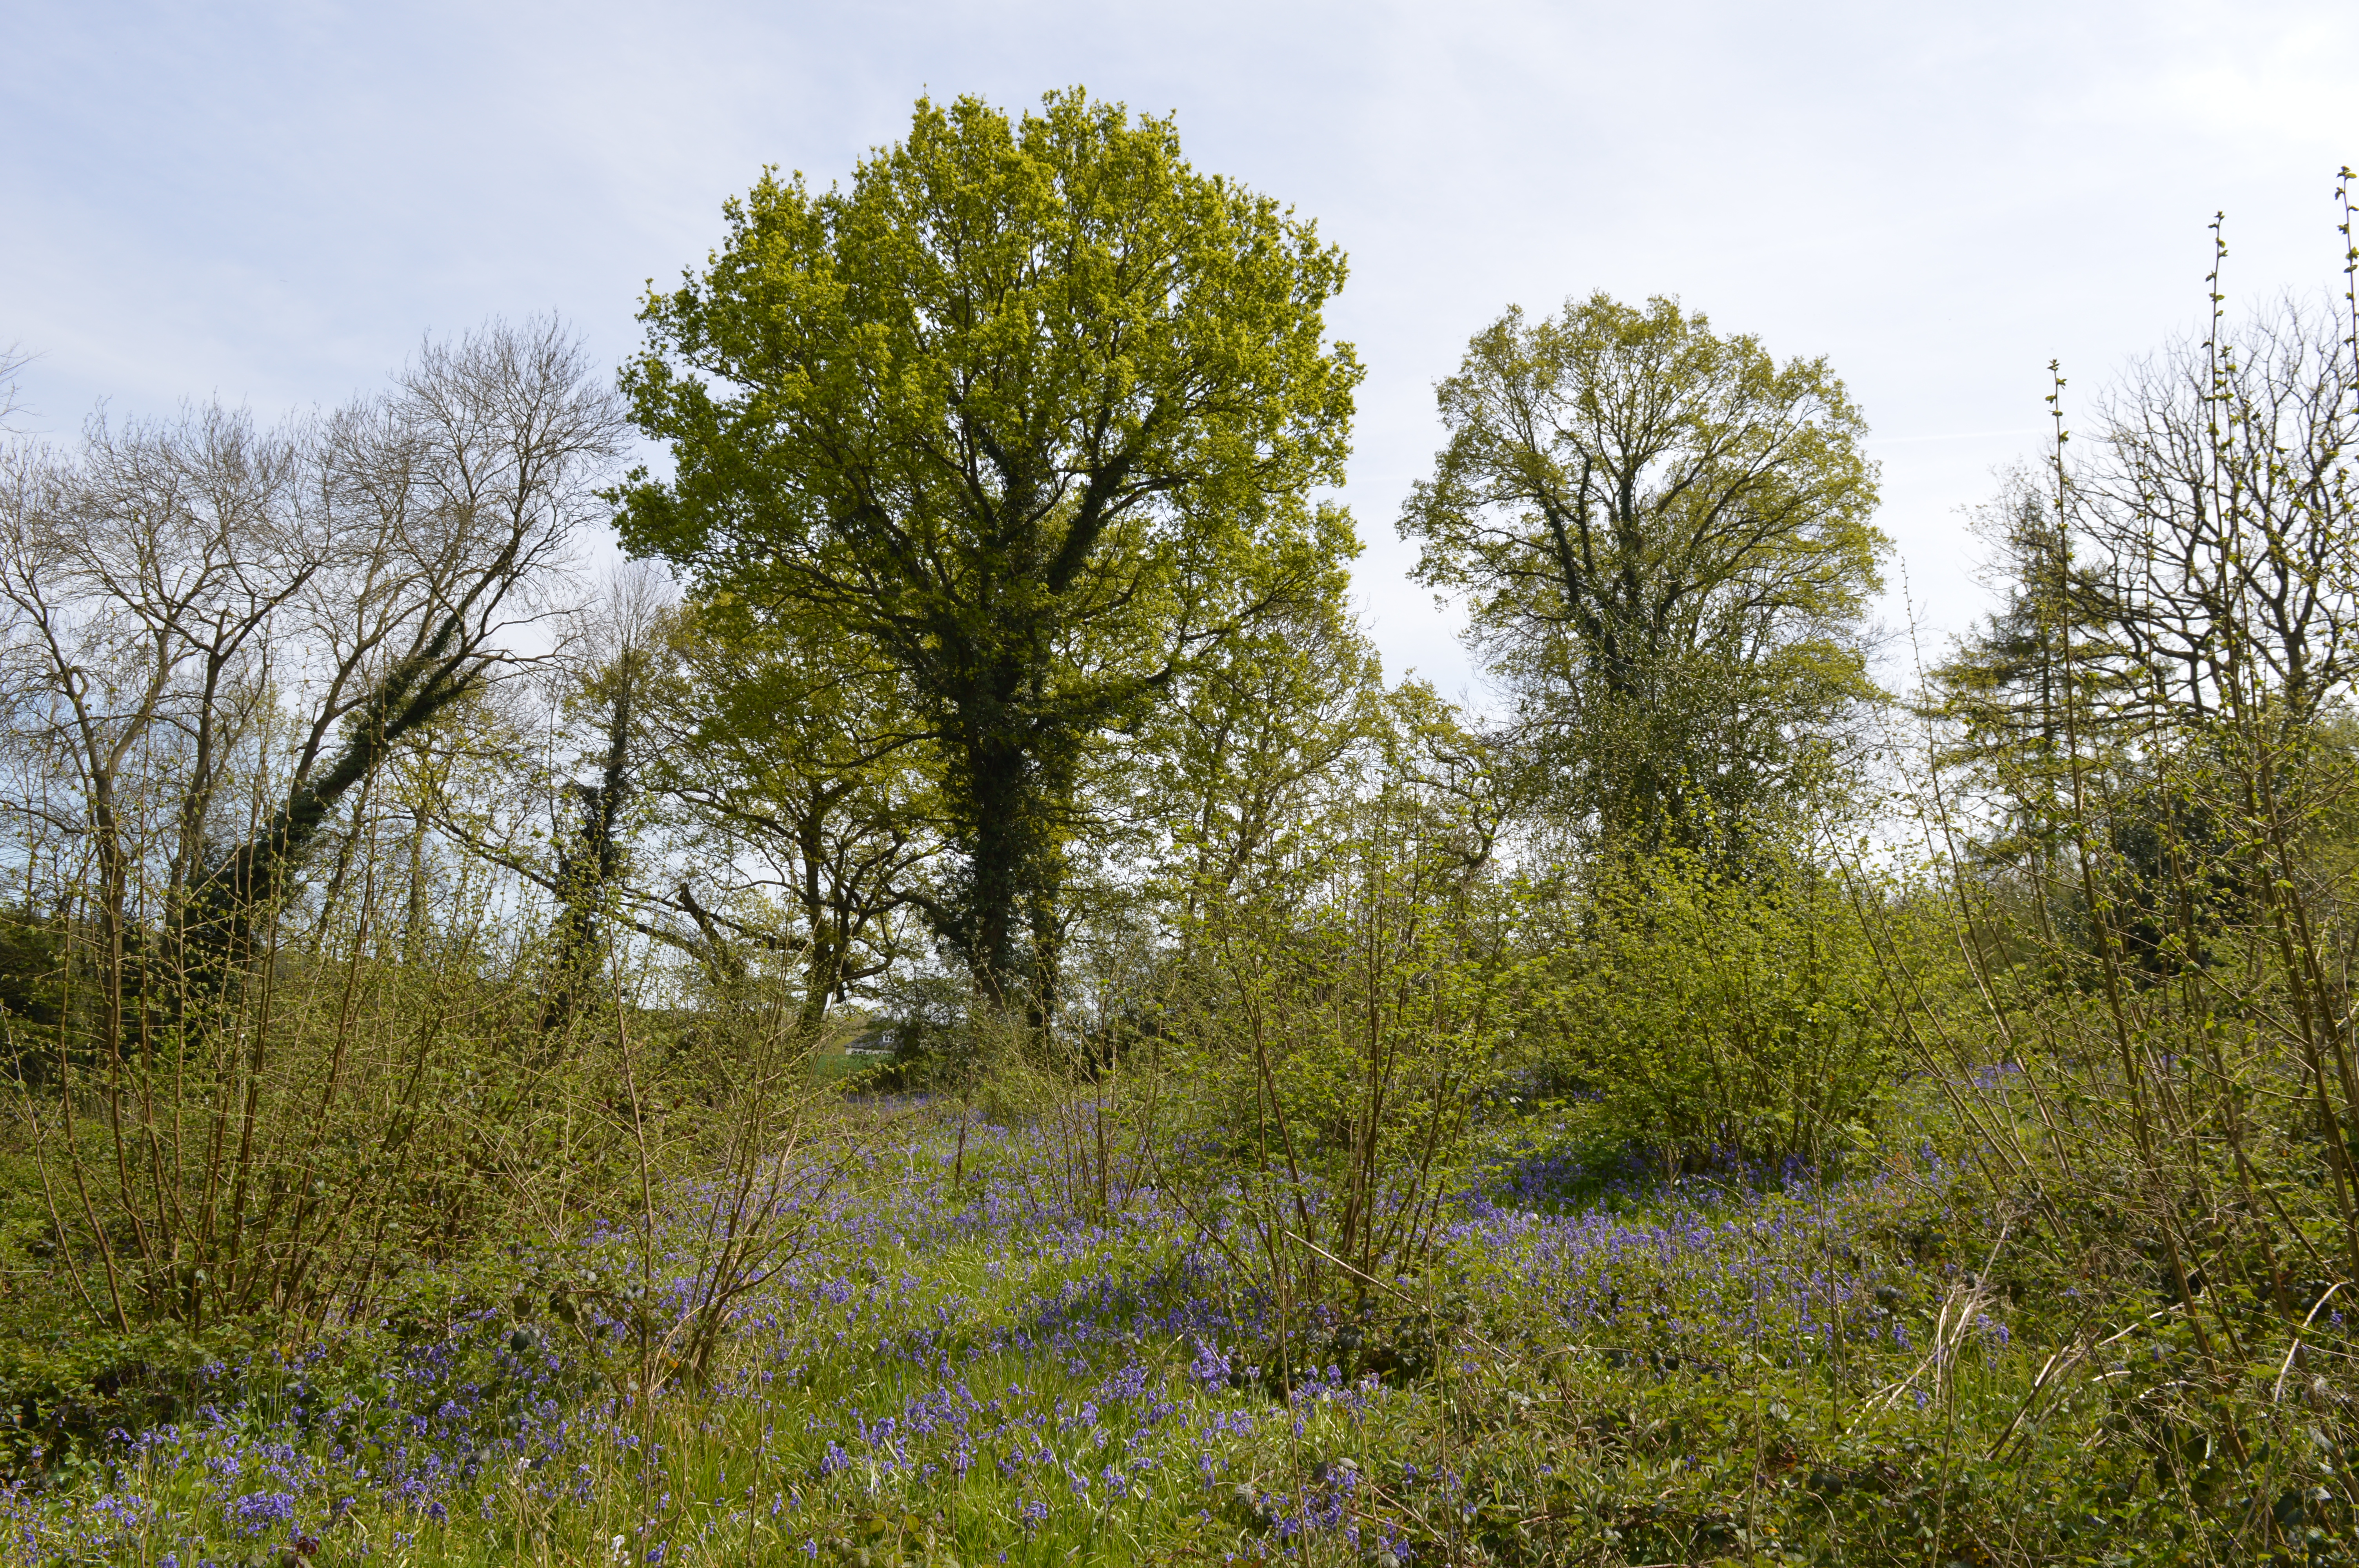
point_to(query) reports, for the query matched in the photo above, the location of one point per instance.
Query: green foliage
(1342, 1020)
(1033, 409)
(1664, 538)
(287, 1162)
(799, 757)
(1232, 778)
(32, 971)
(1885, 1369)
(1722, 1016)
(1307, 1174)
(63, 1388)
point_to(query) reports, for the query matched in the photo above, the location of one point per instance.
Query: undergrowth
(1597, 1366)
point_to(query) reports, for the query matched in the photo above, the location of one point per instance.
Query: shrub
(1722, 1015)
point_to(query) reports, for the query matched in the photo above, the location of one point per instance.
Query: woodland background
(462, 1010)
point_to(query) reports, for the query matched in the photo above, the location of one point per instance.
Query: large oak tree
(1032, 411)
(1665, 541)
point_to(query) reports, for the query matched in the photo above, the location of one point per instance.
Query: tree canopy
(1664, 539)
(1033, 408)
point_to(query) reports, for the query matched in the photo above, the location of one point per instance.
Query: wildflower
(257, 1511)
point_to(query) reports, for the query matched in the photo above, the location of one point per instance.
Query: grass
(1599, 1369)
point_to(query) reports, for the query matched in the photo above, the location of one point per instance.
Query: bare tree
(12, 358)
(450, 504)
(211, 635)
(2215, 511)
(139, 580)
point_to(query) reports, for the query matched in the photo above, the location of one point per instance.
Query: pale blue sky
(270, 202)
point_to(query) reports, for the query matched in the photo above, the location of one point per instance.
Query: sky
(270, 203)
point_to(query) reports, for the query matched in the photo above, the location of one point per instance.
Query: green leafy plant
(1717, 1015)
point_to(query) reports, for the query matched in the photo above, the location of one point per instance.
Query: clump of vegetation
(1719, 1017)
(1684, 1120)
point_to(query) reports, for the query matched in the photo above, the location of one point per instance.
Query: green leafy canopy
(1664, 536)
(1013, 364)
(1033, 408)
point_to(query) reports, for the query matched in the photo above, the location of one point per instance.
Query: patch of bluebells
(1746, 1258)
(1110, 1363)
(1531, 1176)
